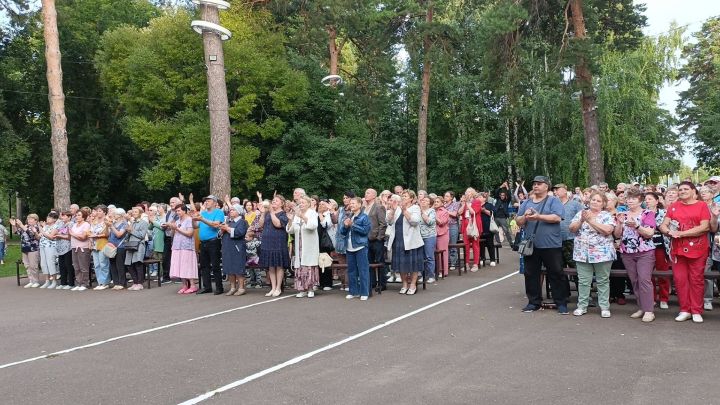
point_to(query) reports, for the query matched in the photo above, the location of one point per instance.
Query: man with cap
(209, 221)
(541, 215)
(571, 208)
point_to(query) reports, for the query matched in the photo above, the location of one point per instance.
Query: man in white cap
(714, 184)
(209, 222)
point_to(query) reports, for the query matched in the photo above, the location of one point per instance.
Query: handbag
(132, 245)
(326, 244)
(493, 225)
(109, 250)
(527, 246)
(472, 229)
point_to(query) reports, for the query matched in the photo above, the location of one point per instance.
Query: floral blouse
(28, 241)
(631, 240)
(591, 246)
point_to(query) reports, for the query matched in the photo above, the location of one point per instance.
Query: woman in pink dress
(183, 263)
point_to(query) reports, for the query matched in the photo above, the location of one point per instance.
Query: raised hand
(181, 197)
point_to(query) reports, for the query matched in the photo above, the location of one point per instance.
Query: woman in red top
(687, 224)
(469, 209)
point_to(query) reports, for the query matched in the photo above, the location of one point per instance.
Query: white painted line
(142, 332)
(306, 356)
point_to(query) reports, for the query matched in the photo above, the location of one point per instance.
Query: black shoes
(205, 292)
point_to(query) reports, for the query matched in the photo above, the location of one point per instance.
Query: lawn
(13, 255)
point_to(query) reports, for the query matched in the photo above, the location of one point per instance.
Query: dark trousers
(553, 261)
(167, 254)
(137, 272)
(376, 254)
(117, 268)
(67, 272)
(326, 277)
(487, 244)
(210, 263)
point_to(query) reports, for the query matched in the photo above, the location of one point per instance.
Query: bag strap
(537, 223)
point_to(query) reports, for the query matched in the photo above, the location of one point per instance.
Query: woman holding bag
(442, 220)
(135, 247)
(469, 211)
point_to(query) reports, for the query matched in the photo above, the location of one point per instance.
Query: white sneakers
(431, 280)
(349, 297)
(707, 306)
(637, 314)
(46, 285)
(474, 269)
(364, 298)
(605, 313)
(580, 311)
(28, 285)
(683, 316)
(327, 288)
(663, 305)
(493, 264)
(697, 318)
(101, 287)
(648, 317)
(301, 294)
(311, 294)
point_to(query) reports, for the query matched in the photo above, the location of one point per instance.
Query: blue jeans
(2, 250)
(454, 231)
(430, 256)
(102, 267)
(358, 272)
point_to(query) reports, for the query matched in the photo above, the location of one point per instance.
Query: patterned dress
(274, 251)
(591, 246)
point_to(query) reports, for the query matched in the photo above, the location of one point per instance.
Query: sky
(660, 14)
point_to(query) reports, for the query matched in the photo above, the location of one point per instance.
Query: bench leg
(17, 268)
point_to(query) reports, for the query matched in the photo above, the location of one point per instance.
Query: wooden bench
(146, 268)
(461, 258)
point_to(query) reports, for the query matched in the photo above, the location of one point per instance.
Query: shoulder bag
(527, 246)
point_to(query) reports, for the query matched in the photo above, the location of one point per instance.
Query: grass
(13, 255)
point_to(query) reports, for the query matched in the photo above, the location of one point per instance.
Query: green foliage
(699, 106)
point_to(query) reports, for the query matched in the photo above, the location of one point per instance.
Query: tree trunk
(596, 166)
(508, 148)
(334, 50)
(218, 106)
(56, 97)
(424, 100)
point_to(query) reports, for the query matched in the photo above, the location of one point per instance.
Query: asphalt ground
(461, 341)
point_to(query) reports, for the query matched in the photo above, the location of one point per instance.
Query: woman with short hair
(136, 233)
(593, 252)
(117, 230)
(274, 255)
(81, 252)
(29, 247)
(687, 223)
(98, 239)
(406, 241)
(48, 250)
(428, 232)
(469, 211)
(234, 249)
(184, 260)
(303, 223)
(636, 228)
(64, 252)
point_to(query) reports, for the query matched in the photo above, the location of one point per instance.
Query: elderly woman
(98, 239)
(470, 211)
(406, 242)
(117, 229)
(30, 247)
(593, 252)
(687, 223)
(184, 260)
(48, 250)
(274, 255)
(303, 223)
(636, 228)
(81, 254)
(233, 249)
(428, 232)
(135, 247)
(442, 221)
(356, 227)
(64, 253)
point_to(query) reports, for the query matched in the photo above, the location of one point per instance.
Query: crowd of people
(247, 244)
(250, 244)
(635, 228)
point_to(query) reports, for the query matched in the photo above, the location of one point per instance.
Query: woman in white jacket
(303, 223)
(405, 241)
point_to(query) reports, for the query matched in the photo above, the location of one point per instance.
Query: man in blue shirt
(540, 215)
(571, 208)
(209, 221)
